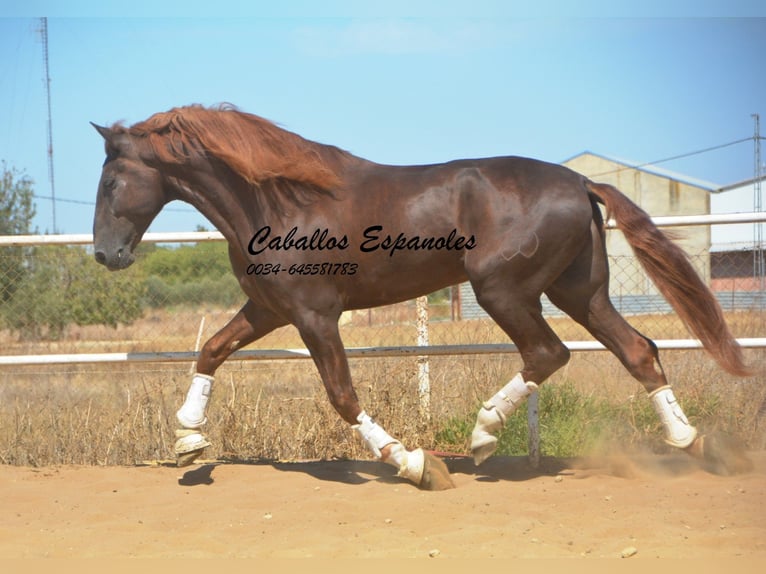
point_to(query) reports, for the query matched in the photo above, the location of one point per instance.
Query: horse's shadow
(202, 475)
(495, 469)
(507, 468)
(357, 472)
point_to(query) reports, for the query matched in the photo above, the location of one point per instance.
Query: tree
(17, 210)
(190, 275)
(100, 297)
(16, 206)
(63, 285)
(44, 289)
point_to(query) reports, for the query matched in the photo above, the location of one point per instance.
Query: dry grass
(125, 414)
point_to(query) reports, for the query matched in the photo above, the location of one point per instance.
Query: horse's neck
(217, 202)
(237, 210)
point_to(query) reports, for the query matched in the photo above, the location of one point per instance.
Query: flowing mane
(254, 148)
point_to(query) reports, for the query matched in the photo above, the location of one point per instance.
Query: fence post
(533, 424)
(424, 383)
(193, 366)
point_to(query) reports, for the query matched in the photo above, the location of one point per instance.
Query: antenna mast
(44, 34)
(758, 261)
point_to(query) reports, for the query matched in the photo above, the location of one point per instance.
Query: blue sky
(394, 82)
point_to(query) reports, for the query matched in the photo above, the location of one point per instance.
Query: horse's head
(130, 195)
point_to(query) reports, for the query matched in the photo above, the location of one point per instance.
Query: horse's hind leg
(245, 327)
(582, 292)
(322, 338)
(519, 314)
(636, 352)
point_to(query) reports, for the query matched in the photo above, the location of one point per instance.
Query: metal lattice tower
(44, 34)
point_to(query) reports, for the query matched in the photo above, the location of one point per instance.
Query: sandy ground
(658, 506)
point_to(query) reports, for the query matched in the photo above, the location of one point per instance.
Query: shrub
(573, 423)
(67, 287)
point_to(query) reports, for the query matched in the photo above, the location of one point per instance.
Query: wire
(83, 202)
(680, 156)
(63, 200)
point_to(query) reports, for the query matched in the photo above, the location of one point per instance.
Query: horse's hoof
(722, 454)
(187, 458)
(436, 476)
(482, 450)
(190, 445)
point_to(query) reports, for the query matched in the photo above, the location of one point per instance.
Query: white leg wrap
(494, 412)
(372, 433)
(678, 431)
(409, 463)
(507, 399)
(192, 414)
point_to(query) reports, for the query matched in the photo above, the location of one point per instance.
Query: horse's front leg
(321, 336)
(249, 324)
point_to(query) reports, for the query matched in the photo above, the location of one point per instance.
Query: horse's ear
(106, 133)
(116, 141)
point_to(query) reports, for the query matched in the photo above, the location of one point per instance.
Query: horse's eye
(109, 183)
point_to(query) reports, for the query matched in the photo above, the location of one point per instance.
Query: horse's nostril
(100, 257)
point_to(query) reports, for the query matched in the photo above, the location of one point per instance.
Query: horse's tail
(671, 271)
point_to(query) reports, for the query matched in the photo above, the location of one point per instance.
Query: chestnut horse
(314, 230)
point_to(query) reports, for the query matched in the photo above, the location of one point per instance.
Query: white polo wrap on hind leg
(192, 414)
(409, 463)
(678, 431)
(495, 411)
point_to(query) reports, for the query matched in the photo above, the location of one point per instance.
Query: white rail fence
(198, 236)
(420, 351)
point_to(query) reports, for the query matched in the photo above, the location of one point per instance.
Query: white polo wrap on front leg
(493, 414)
(678, 431)
(374, 436)
(191, 415)
(409, 463)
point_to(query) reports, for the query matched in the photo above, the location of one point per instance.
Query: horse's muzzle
(114, 260)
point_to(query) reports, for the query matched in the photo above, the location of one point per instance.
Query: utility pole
(758, 261)
(44, 34)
